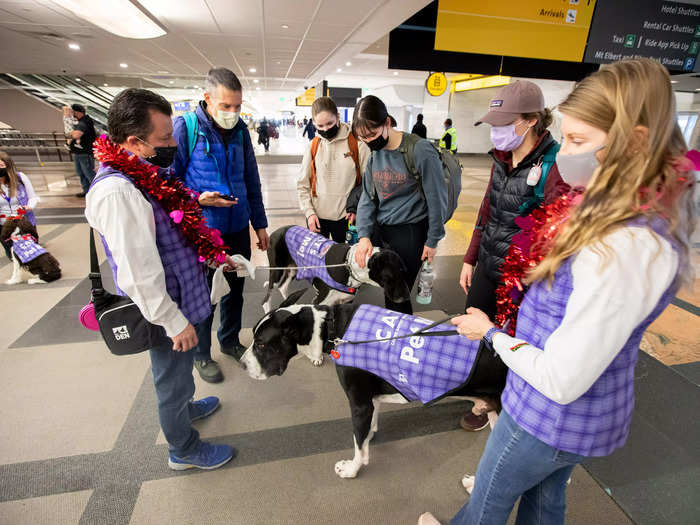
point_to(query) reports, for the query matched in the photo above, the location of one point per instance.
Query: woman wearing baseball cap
(524, 175)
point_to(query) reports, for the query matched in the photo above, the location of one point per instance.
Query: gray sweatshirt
(399, 197)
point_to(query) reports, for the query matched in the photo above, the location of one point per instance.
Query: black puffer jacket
(509, 190)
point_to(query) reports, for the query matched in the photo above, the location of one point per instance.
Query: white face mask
(226, 119)
(577, 170)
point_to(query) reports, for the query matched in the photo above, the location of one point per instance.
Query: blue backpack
(193, 132)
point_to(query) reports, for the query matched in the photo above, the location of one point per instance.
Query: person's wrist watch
(488, 336)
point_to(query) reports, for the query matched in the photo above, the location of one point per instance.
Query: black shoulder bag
(122, 325)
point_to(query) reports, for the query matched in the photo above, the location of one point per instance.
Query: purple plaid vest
(421, 368)
(185, 276)
(23, 199)
(309, 249)
(598, 422)
(27, 249)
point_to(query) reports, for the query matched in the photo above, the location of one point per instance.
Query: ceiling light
(163, 72)
(171, 82)
(74, 46)
(120, 17)
(255, 80)
(124, 65)
(339, 70)
(196, 87)
(348, 64)
(252, 70)
(258, 88)
(285, 26)
(76, 78)
(674, 82)
(105, 85)
(396, 73)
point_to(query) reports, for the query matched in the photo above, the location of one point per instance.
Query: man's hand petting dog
(213, 198)
(473, 325)
(363, 251)
(428, 253)
(185, 340)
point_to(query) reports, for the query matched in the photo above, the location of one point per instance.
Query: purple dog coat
(26, 249)
(309, 249)
(421, 368)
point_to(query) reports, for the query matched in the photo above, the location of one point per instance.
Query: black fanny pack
(122, 325)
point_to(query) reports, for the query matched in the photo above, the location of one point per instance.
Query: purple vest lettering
(27, 249)
(309, 249)
(185, 276)
(421, 368)
(599, 421)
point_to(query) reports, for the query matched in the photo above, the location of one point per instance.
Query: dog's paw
(347, 468)
(13, 281)
(317, 362)
(468, 483)
(36, 280)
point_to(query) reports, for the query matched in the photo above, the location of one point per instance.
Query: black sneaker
(209, 371)
(236, 351)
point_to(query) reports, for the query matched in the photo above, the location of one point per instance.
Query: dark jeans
(85, 168)
(231, 305)
(482, 293)
(334, 229)
(172, 377)
(515, 465)
(407, 240)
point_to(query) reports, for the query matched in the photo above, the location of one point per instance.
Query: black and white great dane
(310, 330)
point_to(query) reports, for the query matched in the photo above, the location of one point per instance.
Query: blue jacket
(228, 168)
(309, 130)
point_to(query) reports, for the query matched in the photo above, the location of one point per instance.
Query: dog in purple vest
(292, 247)
(27, 253)
(417, 368)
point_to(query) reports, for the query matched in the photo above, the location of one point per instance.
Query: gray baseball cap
(511, 101)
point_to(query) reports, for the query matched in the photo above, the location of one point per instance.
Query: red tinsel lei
(527, 249)
(179, 202)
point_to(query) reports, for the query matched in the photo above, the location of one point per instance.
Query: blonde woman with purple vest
(610, 269)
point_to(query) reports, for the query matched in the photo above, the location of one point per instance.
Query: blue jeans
(172, 377)
(85, 168)
(231, 305)
(517, 464)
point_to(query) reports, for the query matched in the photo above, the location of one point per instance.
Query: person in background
(82, 138)
(613, 264)
(17, 194)
(264, 135)
(336, 168)
(223, 168)
(419, 128)
(521, 140)
(449, 139)
(155, 265)
(401, 212)
(309, 130)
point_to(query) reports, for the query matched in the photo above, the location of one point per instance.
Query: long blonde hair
(652, 178)
(11, 173)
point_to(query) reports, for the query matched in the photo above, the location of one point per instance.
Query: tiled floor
(80, 441)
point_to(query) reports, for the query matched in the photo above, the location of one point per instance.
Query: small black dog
(384, 269)
(30, 255)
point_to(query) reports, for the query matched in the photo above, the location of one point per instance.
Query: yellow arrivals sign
(481, 82)
(545, 29)
(436, 84)
(307, 98)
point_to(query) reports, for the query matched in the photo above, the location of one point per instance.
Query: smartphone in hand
(228, 197)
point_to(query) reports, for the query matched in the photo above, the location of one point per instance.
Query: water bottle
(351, 235)
(426, 278)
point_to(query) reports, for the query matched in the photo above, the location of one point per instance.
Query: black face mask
(329, 133)
(379, 142)
(164, 156)
(3, 172)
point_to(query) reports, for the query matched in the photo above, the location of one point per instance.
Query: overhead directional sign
(436, 84)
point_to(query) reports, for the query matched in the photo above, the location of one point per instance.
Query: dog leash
(300, 267)
(422, 332)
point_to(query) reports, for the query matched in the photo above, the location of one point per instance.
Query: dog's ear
(293, 298)
(299, 327)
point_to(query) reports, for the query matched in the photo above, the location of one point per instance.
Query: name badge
(533, 177)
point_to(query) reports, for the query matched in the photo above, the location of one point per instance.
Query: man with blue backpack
(215, 157)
